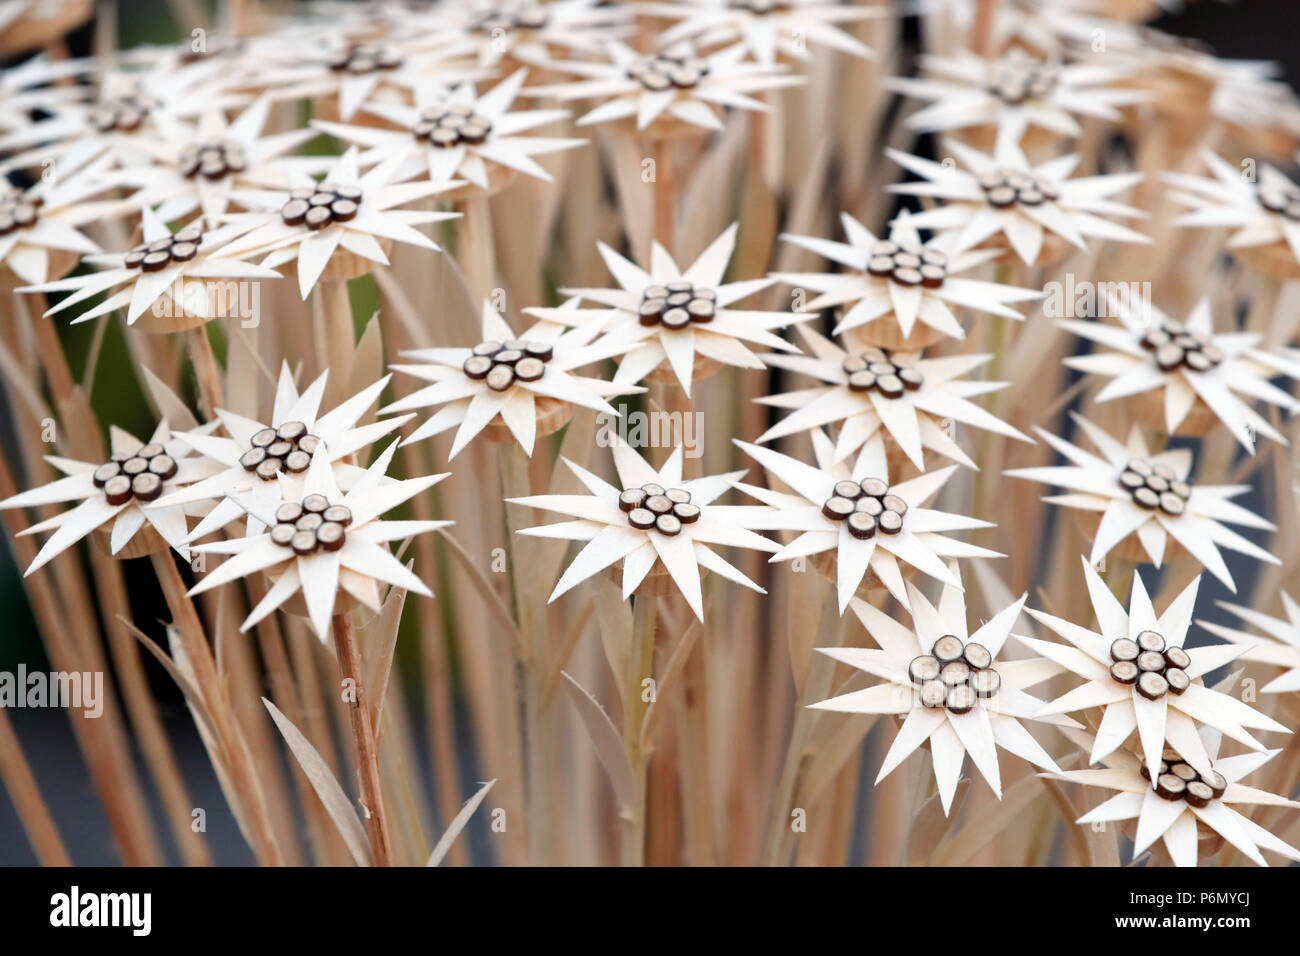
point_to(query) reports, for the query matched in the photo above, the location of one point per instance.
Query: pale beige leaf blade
(331, 794)
(458, 824)
(606, 739)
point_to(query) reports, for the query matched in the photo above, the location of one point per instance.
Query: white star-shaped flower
(123, 118)
(112, 495)
(1179, 806)
(903, 395)
(1147, 684)
(900, 282)
(1278, 646)
(25, 89)
(656, 524)
(525, 382)
(344, 555)
(1012, 93)
(1002, 197)
(1131, 491)
(1262, 210)
(256, 453)
(165, 264)
(40, 236)
(1049, 27)
(349, 69)
(879, 527)
(196, 166)
(526, 31)
(363, 217)
(768, 28)
(677, 85)
(1194, 367)
(675, 317)
(948, 687)
(460, 134)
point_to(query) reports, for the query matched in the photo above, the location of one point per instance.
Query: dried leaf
(607, 741)
(327, 787)
(453, 829)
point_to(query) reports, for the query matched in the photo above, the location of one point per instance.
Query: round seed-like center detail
(124, 114)
(867, 506)
(1179, 780)
(362, 58)
(318, 206)
(908, 263)
(1019, 78)
(874, 369)
(214, 159)
(1006, 187)
(1173, 346)
(311, 525)
(139, 474)
(1155, 485)
(19, 211)
(954, 675)
(667, 510)
(287, 448)
(1149, 664)
(447, 126)
(501, 364)
(1281, 200)
(512, 15)
(675, 305)
(158, 255)
(660, 72)
(761, 7)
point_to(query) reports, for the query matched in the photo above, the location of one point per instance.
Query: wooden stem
(206, 372)
(665, 193)
(640, 661)
(982, 26)
(474, 246)
(243, 774)
(363, 733)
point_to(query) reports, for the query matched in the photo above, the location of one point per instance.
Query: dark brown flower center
(874, 369)
(213, 160)
(1153, 484)
(319, 206)
(1147, 662)
(19, 211)
(954, 675)
(452, 125)
(512, 15)
(1179, 780)
(158, 255)
(501, 364)
(908, 263)
(287, 448)
(1281, 200)
(363, 57)
(654, 506)
(124, 114)
(866, 506)
(1019, 78)
(139, 474)
(760, 7)
(1006, 187)
(311, 525)
(1172, 345)
(661, 72)
(676, 305)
